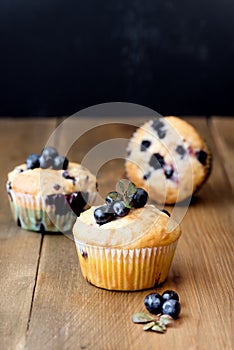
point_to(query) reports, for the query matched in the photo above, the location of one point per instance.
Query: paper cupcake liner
(125, 269)
(36, 213)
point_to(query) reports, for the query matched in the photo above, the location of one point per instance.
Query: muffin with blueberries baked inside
(168, 157)
(48, 192)
(125, 244)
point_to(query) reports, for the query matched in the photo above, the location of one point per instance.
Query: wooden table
(46, 304)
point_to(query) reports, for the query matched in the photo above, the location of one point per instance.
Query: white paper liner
(32, 213)
(125, 269)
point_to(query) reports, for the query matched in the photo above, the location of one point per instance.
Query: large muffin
(169, 158)
(49, 199)
(133, 252)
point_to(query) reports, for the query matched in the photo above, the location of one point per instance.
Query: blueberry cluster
(49, 158)
(119, 205)
(166, 304)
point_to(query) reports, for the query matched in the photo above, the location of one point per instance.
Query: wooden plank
(222, 129)
(19, 249)
(68, 313)
(210, 221)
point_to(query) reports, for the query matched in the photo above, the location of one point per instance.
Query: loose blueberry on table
(165, 308)
(170, 294)
(153, 303)
(119, 204)
(171, 307)
(167, 303)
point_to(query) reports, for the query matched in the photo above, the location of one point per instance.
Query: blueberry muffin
(48, 192)
(168, 157)
(125, 245)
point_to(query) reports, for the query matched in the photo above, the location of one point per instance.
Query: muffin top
(169, 158)
(49, 181)
(141, 228)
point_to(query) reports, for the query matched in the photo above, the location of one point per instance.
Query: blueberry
(161, 133)
(103, 215)
(77, 201)
(120, 208)
(139, 198)
(66, 175)
(8, 186)
(156, 161)
(84, 254)
(166, 212)
(153, 303)
(112, 197)
(168, 171)
(180, 150)
(145, 144)
(201, 157)
(45, 162)
(33, 161)
(170, 294)
(49, 152)
(157, 125)
(146, 176)
(59, 202)
(60, 162)
(172, 308)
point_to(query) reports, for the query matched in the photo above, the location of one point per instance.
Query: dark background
(57, 56)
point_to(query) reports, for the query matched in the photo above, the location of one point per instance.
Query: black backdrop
(59, 56)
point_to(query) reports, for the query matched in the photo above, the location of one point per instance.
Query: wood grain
(68, 313)
(19, 250)
(222, 129)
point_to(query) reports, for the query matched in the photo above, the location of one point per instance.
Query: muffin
(48, 192)
(169, 158)
(130, 250)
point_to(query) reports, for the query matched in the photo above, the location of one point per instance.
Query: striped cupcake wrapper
(32, 213)
(125, 269)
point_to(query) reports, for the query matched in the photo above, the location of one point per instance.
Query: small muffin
(125, 249)
(48, 192)
(168, 157)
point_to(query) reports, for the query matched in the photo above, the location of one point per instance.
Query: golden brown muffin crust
(141, 228)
